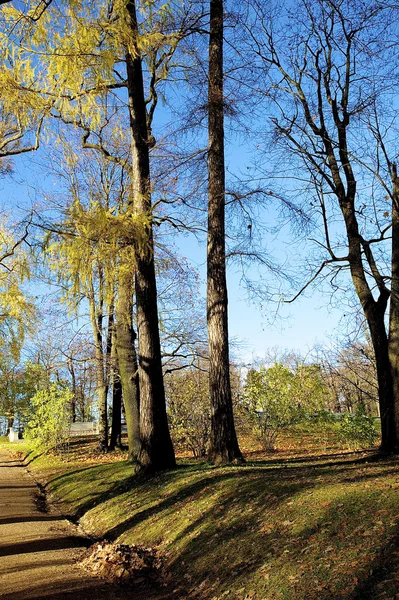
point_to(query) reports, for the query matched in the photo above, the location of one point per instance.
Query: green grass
(315, 528)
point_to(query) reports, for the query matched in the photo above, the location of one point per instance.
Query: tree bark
(96, 316)
(71, 370)
(393, 339)
(386, 396)
(156, 450)
(116, 427)
(127, 363)
(223, 446)
(374, 311)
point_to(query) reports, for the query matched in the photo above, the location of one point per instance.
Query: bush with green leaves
(348, 430)
(49, 420)
(276, 397)
(189, 410)
(357, 430)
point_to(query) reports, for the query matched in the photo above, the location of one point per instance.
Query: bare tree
(223, 445)
(329, 65)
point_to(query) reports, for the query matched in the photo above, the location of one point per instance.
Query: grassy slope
(312, 527)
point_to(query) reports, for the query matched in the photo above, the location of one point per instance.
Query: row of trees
(108, 250)
(320, 78)
(333, 400)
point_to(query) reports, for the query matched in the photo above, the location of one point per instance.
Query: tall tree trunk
(71, 370)
(379, 340)
(393, 342)
(223, 447)
(96, 316)
(127, 363)
(102, 393)
(156, 450)
(374, 311)
(116, 427)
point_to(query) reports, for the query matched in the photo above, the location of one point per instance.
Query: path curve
(38, 549)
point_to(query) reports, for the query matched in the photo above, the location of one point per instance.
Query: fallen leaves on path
(117, 563)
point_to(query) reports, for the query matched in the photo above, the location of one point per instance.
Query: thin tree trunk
(74, 389)
(102, 387)
(156, 450)
(223, 447)
(127, 363)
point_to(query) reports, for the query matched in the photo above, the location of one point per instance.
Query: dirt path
(38, 549)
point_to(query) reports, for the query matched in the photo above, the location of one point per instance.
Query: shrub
(189, 410)
(48, 425)
(275, 398)
(356, 430)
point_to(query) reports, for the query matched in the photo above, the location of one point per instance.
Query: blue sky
(254, 327)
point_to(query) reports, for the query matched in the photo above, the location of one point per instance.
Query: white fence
(82, 429)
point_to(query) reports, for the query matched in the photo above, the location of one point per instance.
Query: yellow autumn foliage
(64, 62)
(17, 310)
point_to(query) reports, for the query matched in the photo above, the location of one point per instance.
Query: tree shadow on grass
(237, 548)
(235, 554)
(191, 490)
(120, 487)
(125, 484)
(288, 469)
(306, 458)
(326, 460)
(287, 480)
(383, 578)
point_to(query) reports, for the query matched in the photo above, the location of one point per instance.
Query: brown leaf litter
(120, 563)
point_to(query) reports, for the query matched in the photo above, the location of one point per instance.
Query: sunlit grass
(309, 527)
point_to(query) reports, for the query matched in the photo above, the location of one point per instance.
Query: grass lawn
(287, 526)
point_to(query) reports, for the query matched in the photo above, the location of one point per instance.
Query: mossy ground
(295, 525)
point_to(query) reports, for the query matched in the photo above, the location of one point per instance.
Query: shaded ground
(298, 528)
(295, 525)
(38, 548)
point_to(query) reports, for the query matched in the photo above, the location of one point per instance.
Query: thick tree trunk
(374, 311)
(223, 447)
(116, 427)
(127, 363)
(156, 450)
(379, 339)
(393, 342)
